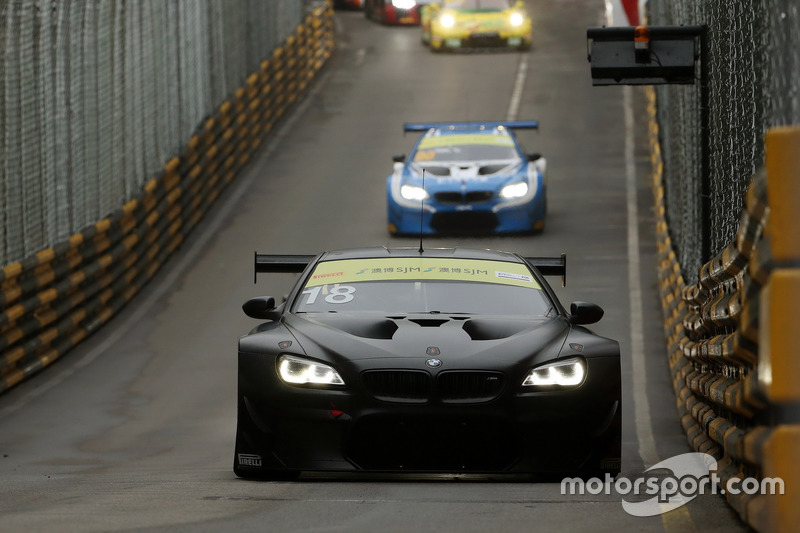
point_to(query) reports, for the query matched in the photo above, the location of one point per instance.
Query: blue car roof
(479, 126)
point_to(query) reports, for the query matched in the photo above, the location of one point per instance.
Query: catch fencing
(126, 120)
(753, 68)
(95, 96)
(727, 201)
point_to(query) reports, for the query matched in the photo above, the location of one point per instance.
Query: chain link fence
(753, 68)
(96, 96)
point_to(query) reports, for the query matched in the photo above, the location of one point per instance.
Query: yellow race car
(455, 24)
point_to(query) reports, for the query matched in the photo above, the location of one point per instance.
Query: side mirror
(585, 313)
(262, 307)
(400, 158)
(535, 156)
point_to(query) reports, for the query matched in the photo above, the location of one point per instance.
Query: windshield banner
(421, 268)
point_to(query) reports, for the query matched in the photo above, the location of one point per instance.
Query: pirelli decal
(247, 459)
(421, 269)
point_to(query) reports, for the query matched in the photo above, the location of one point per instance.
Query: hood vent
(490, 330)
(491, 169)
(429, 322)
(368, 328)
(437, 171)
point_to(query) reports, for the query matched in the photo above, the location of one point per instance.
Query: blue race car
(467, 177)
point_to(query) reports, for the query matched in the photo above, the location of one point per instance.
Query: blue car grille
(464, 222)
(471, 197)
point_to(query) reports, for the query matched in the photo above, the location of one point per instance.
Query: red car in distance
(393, 11)
(348, 4)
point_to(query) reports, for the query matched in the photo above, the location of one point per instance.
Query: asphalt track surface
(134, 429)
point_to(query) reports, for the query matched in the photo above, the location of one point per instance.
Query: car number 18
(339, 294)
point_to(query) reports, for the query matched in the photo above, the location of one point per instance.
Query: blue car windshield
(423, 285)
(465, 147)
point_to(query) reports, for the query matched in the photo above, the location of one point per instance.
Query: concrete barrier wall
(57, 297)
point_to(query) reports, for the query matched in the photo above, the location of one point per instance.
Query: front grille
(464, 222)
(407, 386)
(471, 197)
(487, 40)
(469, 387)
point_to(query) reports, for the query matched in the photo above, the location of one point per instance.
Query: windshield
(467, 147)
(423, 285)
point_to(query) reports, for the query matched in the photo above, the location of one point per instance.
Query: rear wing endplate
(551, 266)
(288, 264)
(510, 124)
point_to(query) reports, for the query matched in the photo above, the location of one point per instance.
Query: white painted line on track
(185, 259)
(641, 403)
(519, 83)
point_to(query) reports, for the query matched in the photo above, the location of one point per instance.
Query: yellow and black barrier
(51, 301)
(732, 338)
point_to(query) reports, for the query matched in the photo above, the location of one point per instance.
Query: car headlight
(298, 371)
(566, 373)
(516, 19)
(412, 192)
(404, 4)
(515, 190)
(447, 20)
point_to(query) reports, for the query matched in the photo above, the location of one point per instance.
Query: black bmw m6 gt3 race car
(437, 361)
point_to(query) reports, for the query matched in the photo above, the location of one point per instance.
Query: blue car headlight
(299, 371)
(515, 190)
(412, 192)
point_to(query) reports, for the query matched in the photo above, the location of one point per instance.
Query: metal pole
(705, 147)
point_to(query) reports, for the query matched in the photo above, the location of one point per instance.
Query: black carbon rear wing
(294, 264)
(288, 264)
(551, 266)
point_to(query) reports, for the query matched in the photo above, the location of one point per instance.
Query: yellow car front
(479, 23)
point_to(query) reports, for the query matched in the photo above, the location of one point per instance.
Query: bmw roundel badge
(434, 363)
